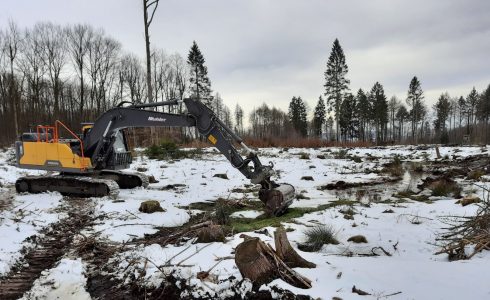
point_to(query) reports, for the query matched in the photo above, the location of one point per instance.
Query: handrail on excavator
(58, 122)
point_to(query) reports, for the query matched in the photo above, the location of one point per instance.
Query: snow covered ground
(408, 233)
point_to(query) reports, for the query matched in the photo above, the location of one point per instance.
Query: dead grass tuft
(395, 167)
(318, 236)
(445, 187)
(475, 174)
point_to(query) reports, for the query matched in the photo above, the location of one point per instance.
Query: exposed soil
(342, 185)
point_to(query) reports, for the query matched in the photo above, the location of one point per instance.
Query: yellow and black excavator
(88, 164)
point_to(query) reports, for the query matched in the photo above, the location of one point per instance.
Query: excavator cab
(121, 157)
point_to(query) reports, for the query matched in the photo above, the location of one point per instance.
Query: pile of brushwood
(470, 233)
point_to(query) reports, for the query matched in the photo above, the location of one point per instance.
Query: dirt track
(48, 250)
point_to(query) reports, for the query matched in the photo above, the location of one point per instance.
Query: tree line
(370, 116)
(74, 73)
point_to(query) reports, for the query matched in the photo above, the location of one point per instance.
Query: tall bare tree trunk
(147, 21)
(148, 54)
(13, 97)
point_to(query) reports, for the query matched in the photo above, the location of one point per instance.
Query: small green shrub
(318, 236)
(355, 159)
(222, 212)
(168, 149)
(304, 155)
(417, 167)
(341, 154)
(395, 167)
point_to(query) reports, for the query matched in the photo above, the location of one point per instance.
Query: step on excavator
(90, 164)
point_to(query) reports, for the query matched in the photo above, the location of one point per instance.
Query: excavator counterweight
(90, 163)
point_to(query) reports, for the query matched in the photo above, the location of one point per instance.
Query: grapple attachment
(278, 198)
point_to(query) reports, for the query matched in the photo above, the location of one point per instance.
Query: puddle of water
(380, 192)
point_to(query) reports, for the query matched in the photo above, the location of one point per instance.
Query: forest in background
(74, 73)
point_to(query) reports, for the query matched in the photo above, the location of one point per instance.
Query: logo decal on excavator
(156, 119)
(212, 139)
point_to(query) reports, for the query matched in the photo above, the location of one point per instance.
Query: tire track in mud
(53, 243)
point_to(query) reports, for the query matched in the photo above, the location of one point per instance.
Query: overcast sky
(270, 50)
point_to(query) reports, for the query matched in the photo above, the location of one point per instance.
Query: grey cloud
(270, 50)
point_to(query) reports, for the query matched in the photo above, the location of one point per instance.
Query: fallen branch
(197, 251)
(464, 231)
(389, 295)
(382, 249)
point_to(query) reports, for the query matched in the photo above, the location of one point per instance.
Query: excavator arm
(100, 140)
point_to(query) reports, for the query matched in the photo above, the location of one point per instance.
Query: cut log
(285, 252)
(258, 262)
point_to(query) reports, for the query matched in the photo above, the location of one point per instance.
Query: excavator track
(68, 185)
(125, 180)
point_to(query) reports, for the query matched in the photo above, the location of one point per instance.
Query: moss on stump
(150, 207)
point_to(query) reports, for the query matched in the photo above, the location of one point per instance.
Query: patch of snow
(31, 213)
(65, 281)
(248, 214)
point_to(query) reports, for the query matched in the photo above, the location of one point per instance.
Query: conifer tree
(336, 84)
(297, 115)
(414, 100)
(238, 119)
(329, 127)
(379, 106)
(200, 84)
(393, 104)
(364, 111)
(401, 116)
(471, 102)
(483, 110)
(348, 120)
(319, 117)
(442, 109)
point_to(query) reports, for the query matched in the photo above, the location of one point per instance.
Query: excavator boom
(103, 150)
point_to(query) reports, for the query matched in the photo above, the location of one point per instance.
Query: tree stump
(285, 252)
(438, 154)
(210, 234)
(258, 262)
(150, 207)
(254, 263)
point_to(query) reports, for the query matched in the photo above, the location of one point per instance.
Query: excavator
(90, 164)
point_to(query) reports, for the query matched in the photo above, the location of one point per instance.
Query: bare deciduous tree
(12, 41)
(148, 5)
(79, 40)
(53, 53)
